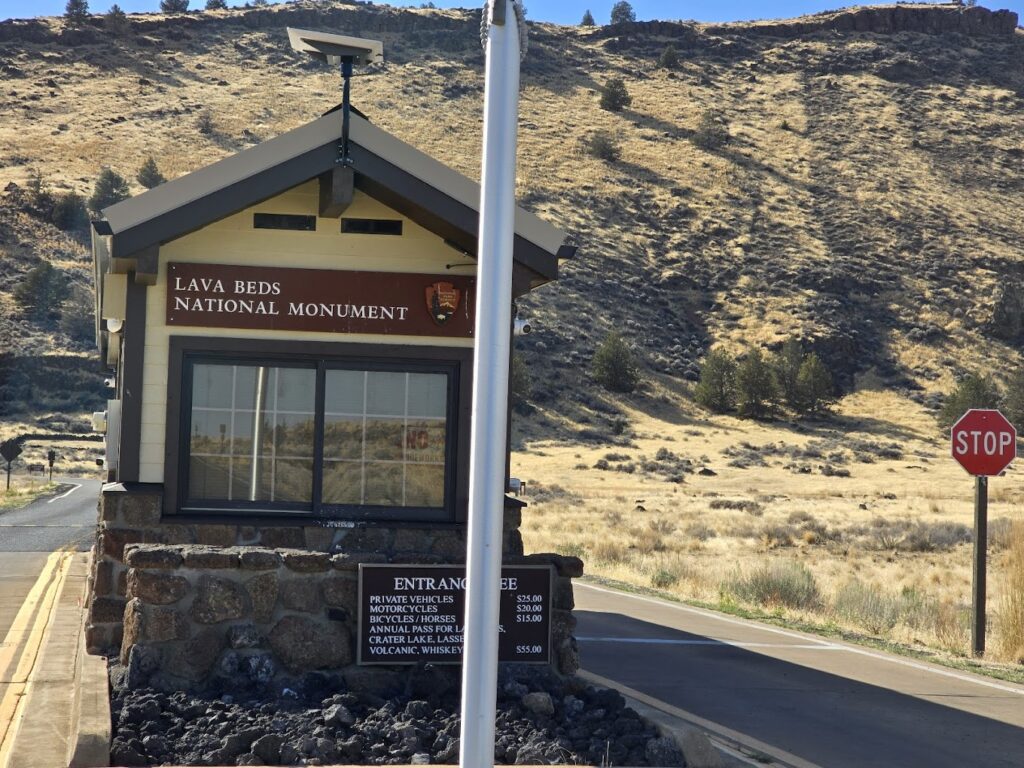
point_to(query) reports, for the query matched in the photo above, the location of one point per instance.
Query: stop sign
(984, 442)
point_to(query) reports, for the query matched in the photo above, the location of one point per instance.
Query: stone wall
(224, 616)
(131, 514)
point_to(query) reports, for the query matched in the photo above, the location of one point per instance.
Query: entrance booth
(293, 347)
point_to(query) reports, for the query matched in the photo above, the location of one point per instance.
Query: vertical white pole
(490, 389)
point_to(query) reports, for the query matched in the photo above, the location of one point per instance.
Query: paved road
(831, 704)
(68, 518)
(28, 535)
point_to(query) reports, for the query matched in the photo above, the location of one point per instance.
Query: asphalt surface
(829, 703)
(68, 518)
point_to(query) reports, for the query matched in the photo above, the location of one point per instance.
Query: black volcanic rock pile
(542, 719)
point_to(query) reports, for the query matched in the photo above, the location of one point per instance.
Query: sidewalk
(61, 716)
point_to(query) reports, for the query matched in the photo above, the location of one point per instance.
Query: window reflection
(252, 433)
(385, 435)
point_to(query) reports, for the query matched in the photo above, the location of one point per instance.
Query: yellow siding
(233, 241)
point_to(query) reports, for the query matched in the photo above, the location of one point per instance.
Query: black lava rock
(542, 719)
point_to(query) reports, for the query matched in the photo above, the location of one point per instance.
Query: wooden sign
(410, 614)
(320, 300)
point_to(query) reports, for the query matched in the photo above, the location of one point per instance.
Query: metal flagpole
(502, 22)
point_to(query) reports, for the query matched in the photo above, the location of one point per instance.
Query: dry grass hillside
(867, 201)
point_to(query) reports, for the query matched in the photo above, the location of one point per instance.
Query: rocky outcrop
(878, 19)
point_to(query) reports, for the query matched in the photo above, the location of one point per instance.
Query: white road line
(74, 488)
(787, 633)
(722, 643)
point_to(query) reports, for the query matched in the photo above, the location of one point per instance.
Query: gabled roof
(400, 176)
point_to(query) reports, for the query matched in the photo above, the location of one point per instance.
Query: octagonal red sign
(984, 442)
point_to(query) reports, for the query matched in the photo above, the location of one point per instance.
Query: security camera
(522, 327)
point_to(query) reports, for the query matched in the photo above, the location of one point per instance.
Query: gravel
(542, 719)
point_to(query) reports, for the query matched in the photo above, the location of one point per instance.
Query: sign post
(984, 443)
(10, 450)
(51, 457)
(504, 26)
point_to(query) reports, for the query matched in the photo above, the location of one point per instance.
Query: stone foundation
(198, 614)
(133, 515)
(192, 595)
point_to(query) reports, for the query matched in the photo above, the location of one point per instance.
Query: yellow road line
(43, 596)
(24, 619)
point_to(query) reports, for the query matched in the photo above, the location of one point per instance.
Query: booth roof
(413, 183)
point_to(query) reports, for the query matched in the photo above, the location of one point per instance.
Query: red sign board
(984, 442)
(324, 300)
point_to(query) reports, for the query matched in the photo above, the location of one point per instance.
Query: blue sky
(561, 11)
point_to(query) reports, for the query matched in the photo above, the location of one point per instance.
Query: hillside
(867, 200)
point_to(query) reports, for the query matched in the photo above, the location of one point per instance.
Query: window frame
(185, 352)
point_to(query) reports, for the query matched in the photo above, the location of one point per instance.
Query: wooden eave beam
(337, 188)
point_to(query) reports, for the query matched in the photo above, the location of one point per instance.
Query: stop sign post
(984, 443)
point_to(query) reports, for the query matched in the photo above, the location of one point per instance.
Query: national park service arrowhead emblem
(442, 301)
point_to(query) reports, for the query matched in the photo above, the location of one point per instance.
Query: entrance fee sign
(984, 442)
(324, 300)
(410, 614)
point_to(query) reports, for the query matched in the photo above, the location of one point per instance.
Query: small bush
(572, 549)
(205, 123)
(716, 389)
(647, 541)
(700, 531)
(934, 537)
(879, 611)
(951, 624)
(774, 536)
(622, 12)
(110, 188)
(1013, 402)
(1000, 533)
(662, 525)
(816, 391)
(614, 96)
(174, 6)
(610, 551)
(613, 366)
(1010, 644)
(116, 21)
(41, 292)
(712, 132)
(778, 583)
(756, 391)
(216, 5)
(76, 12)
(76, 314)
(149, 175)
(69, 212)
(602, 145)
(974, 391)
(664, 578)
(742, 505)
(786, 369)
(588, 19)
(867, 606)
(669, 58)
(540, 493)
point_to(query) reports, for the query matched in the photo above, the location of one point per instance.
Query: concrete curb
(734, 748)
(89, 741)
